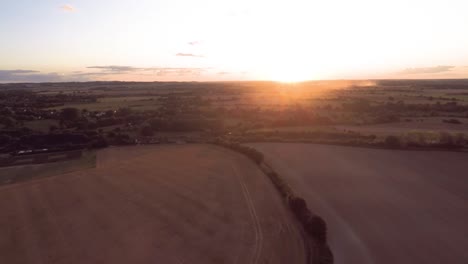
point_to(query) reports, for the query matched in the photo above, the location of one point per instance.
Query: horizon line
(245, 81)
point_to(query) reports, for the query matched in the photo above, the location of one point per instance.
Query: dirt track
(150, 204)
(382, 206)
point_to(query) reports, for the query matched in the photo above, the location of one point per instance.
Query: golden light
(291, 77)
(293, 74)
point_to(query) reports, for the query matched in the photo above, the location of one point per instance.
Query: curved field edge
(382, 206)
(313, 225)
(167, 204)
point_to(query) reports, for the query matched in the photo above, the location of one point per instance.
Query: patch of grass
(113, 103)
(36, 171)
(41, 125)
(294, 129)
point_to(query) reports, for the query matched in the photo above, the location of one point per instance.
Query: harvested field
(435, 125)
(151, 204)
(382, 206)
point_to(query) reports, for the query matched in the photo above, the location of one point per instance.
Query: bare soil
(382, 206)
(151, 204)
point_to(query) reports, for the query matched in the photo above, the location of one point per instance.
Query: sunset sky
(209, 40)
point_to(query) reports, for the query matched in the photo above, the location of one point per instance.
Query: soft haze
(209, 40)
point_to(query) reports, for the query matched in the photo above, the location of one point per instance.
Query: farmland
(150, 204)
(381, 206)
(13, 174)
(209, 205)
(409, 113)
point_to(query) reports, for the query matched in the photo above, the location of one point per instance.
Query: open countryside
(234, 132)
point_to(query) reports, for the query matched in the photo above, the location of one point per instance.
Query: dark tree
(124, 111)
(7, 121)
(392, 141)
(147, 131)
(53, 128)
(70, 114)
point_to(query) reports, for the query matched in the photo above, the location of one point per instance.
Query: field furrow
(150, 204)
(381, 206)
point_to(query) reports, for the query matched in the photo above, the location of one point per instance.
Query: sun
(291, 69)
(292, 75)
(290, 78)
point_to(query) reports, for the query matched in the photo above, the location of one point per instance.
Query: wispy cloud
(103, 73)
(193, 43)
(17, 72)
(427, 70)
(159, 71)
(36, 76)
(68, 8)
(168, 71)
(180, 54)
(115, 68)
(223, 73)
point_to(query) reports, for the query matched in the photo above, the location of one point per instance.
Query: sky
(217, 40)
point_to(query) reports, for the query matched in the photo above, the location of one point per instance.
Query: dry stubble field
(382, 206)
(150, 204)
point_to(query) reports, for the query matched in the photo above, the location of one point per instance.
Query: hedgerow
(313, 224)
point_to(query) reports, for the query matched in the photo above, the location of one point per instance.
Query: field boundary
(360, 145)
(313, 225)
(40, 158)
(366, 146)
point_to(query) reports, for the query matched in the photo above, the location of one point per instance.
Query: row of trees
(29, 99)
(313, 224)
(443, 140)
(365, 106)
(29, 140)
(255, 155)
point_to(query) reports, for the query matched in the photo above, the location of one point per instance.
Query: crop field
(382, 206)
(150, 204)
(102, 104)
(423, 125)
(14, 174)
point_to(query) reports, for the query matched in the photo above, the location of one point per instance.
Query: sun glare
(289, 79)
(292, 75)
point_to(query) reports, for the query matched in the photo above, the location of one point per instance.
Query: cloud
(427, 70)
(101, 73)
(68, 8)
(193, 43)
(115, 68)
(36, 76)
(188, 55)
(223, 73)
(159, 71)
(168, 71)
(19, 71)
